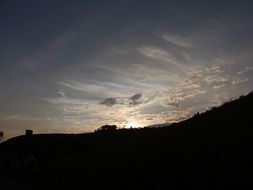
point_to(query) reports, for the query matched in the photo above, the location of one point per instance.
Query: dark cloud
(132, 101)
(109, 102)
(135, 99)
(173, 103)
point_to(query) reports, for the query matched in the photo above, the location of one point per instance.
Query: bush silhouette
(107, 128)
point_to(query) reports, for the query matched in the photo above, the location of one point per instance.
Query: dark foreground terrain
(212, 150)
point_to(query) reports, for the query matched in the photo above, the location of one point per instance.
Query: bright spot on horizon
(132, 124)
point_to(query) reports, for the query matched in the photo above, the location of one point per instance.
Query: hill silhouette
(211, 150)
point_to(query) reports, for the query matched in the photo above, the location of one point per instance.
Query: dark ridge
(211, 150)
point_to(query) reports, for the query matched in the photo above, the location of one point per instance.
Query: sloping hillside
(212, 150)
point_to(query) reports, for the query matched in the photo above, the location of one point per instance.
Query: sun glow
(132, 124)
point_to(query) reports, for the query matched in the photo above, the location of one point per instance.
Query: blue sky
(74, 66)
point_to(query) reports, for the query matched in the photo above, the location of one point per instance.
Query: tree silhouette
(107, 128)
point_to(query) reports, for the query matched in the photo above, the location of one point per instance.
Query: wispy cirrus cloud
(63, 99)
(20, 117)
(160, 54)
(95, 88)
(247, 69)
(46, 56)
(239, 81)
(166, 90)
(215, 79)
(180, 42)
(199, 83)
(218, 86)
(178, 96)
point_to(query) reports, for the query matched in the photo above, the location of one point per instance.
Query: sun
(132, 124)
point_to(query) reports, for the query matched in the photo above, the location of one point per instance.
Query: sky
(73, 66)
